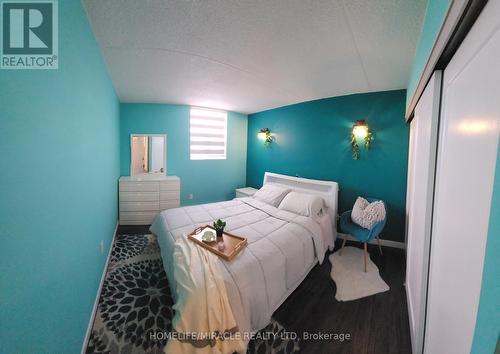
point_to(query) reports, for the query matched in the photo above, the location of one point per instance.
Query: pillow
(271, 194)
(303, 204)
(367, 214)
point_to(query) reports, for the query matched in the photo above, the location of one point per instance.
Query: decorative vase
(219, 233)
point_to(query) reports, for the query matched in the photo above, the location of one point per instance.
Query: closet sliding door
(421, 168)
(467, 154)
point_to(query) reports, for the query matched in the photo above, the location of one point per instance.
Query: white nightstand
(245, 192)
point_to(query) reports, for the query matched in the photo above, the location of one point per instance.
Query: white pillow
(303, 204)
(367, 214)
(271, 194)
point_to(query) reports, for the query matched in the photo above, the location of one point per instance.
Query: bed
(271, 267)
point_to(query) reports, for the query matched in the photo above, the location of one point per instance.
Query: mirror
(148, 154)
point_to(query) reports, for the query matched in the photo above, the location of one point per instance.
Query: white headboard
(328, 190)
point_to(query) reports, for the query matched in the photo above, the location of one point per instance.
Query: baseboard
(387, 243)
(96, 302)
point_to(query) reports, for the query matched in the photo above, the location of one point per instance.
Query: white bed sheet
(282, 248)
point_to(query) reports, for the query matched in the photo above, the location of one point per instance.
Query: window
(208, 134)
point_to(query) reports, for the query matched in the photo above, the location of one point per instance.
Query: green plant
(368, 139)
(355, 147)
(269, 139)
(266, 135)
(219, 226)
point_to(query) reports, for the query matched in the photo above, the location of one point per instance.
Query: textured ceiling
(248, 56)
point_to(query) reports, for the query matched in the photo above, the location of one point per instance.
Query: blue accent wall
(488, 318)
(434, 17)
(313, 141)
(208, 180)
(58, 191)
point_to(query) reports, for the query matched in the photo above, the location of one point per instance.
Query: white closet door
(422, 160)
(468, 142)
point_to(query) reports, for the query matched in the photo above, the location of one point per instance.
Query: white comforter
(282, 249)
(203, 307)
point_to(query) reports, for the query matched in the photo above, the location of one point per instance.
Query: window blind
(208, 134)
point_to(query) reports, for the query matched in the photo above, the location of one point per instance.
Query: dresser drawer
(169, 205)
(139, 197)
(137, 217)
(168, 196)
(139, 187)
(139, 206)
(170, 186)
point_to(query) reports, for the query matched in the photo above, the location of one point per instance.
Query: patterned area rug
(135, 304)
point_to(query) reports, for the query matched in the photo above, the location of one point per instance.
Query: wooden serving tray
(234, 244)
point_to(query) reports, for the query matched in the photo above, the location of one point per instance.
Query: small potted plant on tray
(219, 226)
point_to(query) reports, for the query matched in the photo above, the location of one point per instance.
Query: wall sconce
(360, 130)
(265, 134)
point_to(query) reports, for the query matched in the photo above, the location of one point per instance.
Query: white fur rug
(349, 275)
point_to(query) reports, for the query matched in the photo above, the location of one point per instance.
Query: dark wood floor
(376, 324)
(133, 229)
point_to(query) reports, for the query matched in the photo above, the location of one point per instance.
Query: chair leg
(343, 244)
(379, 247)
(366, 253)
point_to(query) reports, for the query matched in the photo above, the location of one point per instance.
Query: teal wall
(434, 17)
(313, 141)
(58, 191)
(488, 318)
(207, 180)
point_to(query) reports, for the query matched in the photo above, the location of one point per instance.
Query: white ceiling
(248, 56)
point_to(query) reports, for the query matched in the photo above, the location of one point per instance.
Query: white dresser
(141, 199)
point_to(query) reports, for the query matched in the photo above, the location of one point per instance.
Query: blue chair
(360, 233)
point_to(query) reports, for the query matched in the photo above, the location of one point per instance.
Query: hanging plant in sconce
(265, 134)
(360, 130)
